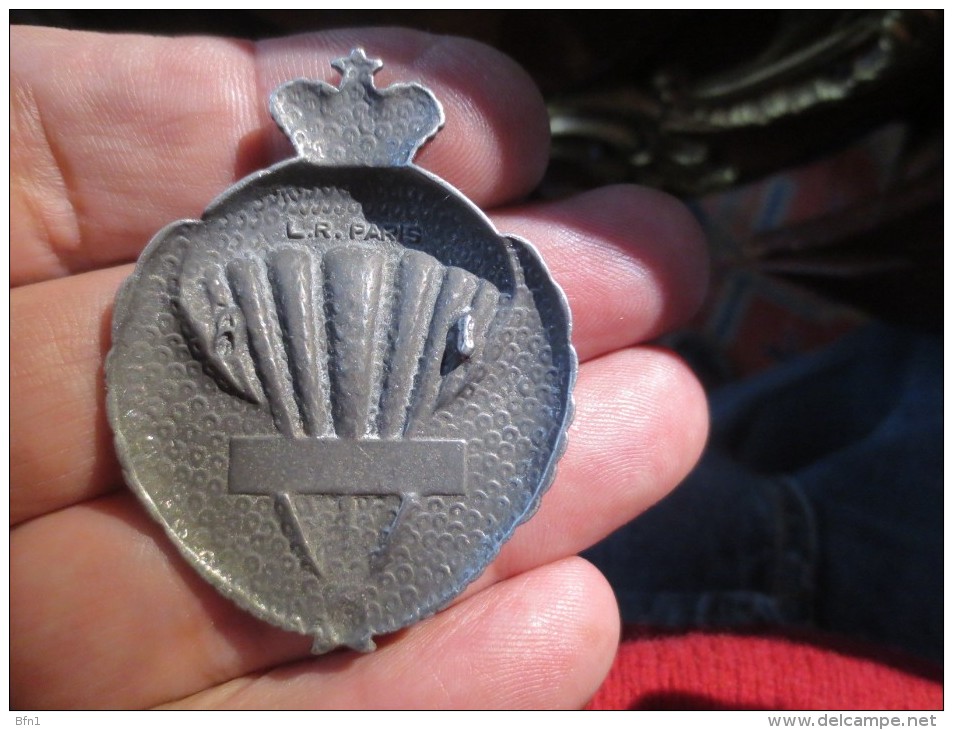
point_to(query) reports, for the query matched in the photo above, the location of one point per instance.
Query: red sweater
(764, 672)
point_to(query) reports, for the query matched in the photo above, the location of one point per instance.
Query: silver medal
(341, 390)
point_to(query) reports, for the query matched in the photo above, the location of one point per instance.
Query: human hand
(115, 136)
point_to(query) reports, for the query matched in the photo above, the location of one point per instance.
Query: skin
(115, 136)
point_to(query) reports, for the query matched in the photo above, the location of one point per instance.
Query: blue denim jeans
(818, 503)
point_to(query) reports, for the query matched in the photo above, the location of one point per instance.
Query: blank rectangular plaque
(337, 467)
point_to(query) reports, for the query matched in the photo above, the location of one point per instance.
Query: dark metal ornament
(341, 390)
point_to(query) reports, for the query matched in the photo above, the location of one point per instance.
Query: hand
(115, 136)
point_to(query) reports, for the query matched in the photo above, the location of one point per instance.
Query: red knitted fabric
(737, 672)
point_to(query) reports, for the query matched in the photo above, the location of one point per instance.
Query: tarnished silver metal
(341, 389)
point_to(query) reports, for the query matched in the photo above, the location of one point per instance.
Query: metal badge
(341, 390)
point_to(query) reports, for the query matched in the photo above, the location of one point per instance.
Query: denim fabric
(818, 503)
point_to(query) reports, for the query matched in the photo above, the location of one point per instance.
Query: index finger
(116, 136)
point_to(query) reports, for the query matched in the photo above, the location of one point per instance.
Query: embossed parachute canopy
(341, 390)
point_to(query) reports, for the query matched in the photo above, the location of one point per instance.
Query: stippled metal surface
(341, 390)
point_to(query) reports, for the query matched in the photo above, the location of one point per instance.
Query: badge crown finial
(357, 66)
(356, 124)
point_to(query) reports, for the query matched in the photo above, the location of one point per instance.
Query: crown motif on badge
(356, 123)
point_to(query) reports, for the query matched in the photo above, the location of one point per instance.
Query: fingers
(627, 449)
(544, 640)
(116, 136)
(640, 426)
(631, 262)
(61, 449)
(72, 645)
